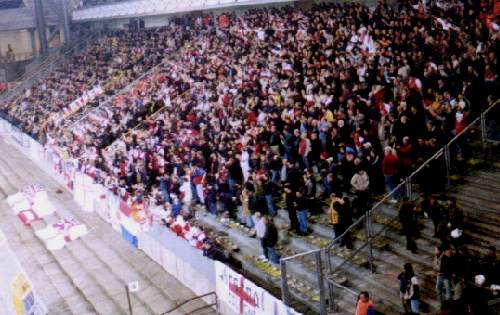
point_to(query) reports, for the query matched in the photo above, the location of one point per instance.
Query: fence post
(369, 239)
(447, 161)
(128, 300)
(330, 272)
(484, 133)
(284, 283)
(408, 187)
(321, 283)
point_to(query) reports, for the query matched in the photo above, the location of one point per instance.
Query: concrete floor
(88, 276)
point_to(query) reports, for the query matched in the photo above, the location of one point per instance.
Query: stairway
(479, 196)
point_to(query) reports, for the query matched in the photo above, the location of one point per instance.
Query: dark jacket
(271, 237)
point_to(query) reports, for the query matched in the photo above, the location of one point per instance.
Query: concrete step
(479, 196)
(491, 229)
(478, 210)
(480, 192)
(482, 184)
(489, 176)
(482, 240)
(297, 244)
(476, 201)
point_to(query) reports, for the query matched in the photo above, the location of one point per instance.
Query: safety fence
(371, 232)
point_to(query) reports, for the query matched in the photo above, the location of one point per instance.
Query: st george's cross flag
(31, 203)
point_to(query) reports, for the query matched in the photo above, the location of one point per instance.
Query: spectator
(409, 290)
(390, 168)
(210, 250)
(477, 296)
(260, 233)
(445, 274)
(360, 184)
(409, 224)
(435, 213)
(270, 240)
(246, 215)
(364, 306)
(404, 285)
(229, 111)
(301, 208)
(413, 295)
(490, 266)
(290, 207)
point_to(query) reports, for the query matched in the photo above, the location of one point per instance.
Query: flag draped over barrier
(31, 204)
(245, 297)
(64, 231)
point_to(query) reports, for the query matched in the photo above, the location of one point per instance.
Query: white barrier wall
(173, 253)
(17, 294)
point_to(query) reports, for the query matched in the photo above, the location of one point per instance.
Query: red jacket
(460, 125)
(390, 165)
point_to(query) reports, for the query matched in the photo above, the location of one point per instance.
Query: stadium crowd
(110, 63)
(309, 104)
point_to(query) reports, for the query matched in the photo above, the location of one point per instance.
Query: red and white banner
(244, 297)
(31, 204)
(55, 236)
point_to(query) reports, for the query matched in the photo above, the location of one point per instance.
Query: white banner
(84, 191)
(245, 297)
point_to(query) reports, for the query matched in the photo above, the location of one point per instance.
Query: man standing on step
(269, 241)
(260, 233)
(301, 207)
(292, 213)
(390, 169)
(360, 183)
(409, 223)
(446, 264)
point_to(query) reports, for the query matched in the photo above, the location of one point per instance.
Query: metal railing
(434, 174)
(210, 305)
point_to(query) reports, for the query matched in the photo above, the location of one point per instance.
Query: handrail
(300, 254)
(195, 298)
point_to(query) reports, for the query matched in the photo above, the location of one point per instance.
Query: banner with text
(244, 297)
